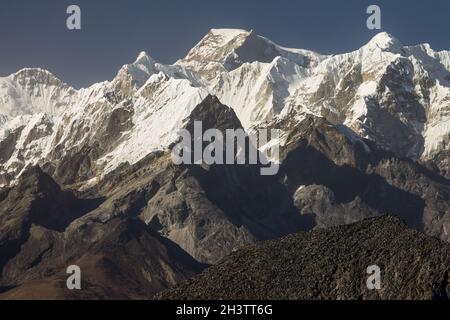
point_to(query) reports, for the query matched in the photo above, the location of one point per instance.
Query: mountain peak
(32, 71)
(385, 42)
(228, 49)
(139, 70)
(227, 34)
(144, 57)
(36, 73)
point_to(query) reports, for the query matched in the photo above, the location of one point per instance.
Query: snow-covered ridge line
(229, 34)
(395, 95)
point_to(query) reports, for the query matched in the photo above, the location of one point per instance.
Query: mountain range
(86, 176)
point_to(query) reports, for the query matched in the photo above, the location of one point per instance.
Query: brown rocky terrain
(42, 233)
(329, 264)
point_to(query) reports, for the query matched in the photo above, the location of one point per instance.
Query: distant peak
(227, 35)
(228, 32)
(37, 74)
(385, 42)
(143, 57)
(139, 70)
(33, 71)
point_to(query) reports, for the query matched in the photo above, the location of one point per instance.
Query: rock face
(44, 231)
(208, 210)
(330, 264)
(39, 201)
(338, 178)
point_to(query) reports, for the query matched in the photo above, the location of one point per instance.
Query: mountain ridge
(362, 134)
(403, 113)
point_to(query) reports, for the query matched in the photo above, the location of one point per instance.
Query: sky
(34, 33)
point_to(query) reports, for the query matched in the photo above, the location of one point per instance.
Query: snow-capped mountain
(228, 49)
(87, 177)
(395, 95)
(249, 72)
(31, 91)
(122, 120)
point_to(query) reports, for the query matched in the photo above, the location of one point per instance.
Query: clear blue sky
(33, 32)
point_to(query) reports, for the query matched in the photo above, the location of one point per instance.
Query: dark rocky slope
(44, 230)
(336, 178)
(330, 264)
